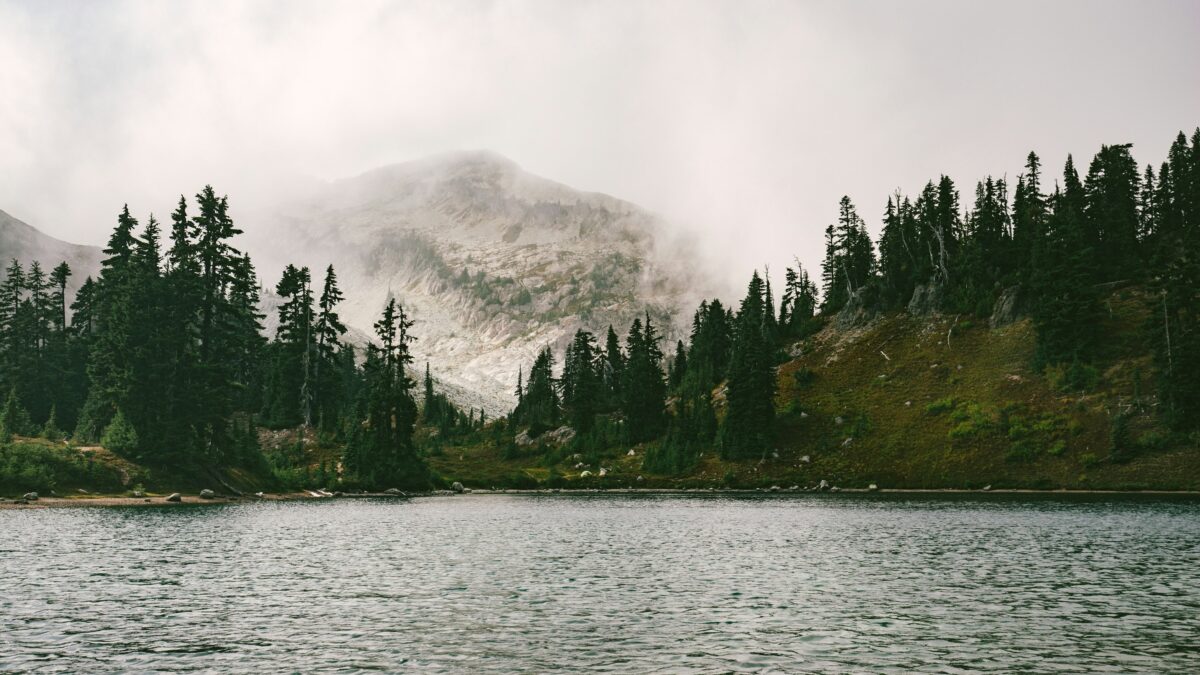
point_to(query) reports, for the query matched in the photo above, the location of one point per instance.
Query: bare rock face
(26, 244)
(926, 299)
(492, 263)
(561, 435)
(1008, 308)
(857, 312)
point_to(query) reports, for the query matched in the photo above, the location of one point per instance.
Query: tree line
(1056, 245)
(656, 396)
(162, 357)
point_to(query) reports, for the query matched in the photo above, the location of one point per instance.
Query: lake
(617, 583)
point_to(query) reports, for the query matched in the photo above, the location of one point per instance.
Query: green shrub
(38, 466)
(972, 420)
(120, 436)
(804, 376)
(1152, 441)
(940, 406)
(1022, 451)
(522, 298)
(1120, 446)
(1017, 429)
(50, 431)
(13, 418)
(1076, 376)
(1089, 459)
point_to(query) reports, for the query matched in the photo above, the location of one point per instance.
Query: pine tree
(799, 303)
(711, 342)
(289, 389)
(581, 383)
(110, 364)
(121, 436)
(1029, 216)
(849, 258)
(898, 262)
(1174, 326)
(13, 337)
(1064, 280)
(1111, 194)
(748, 427)
(329, 331)
(13, 418)
(984, 262)
(643, 390)
(382, 452)
(678, 369)
(539, 405)
(428, 399)
(50, 430)
(612, 370)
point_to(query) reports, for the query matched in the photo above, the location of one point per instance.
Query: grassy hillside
(942, 402)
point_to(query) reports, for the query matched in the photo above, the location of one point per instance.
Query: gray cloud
(743, 122)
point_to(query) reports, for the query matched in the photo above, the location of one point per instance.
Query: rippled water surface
(615, 583)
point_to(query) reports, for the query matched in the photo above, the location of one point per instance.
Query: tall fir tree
(643, 389)
(749, 421)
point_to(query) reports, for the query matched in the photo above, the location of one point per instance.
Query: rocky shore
(30, 501)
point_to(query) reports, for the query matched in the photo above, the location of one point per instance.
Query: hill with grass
(913, 402)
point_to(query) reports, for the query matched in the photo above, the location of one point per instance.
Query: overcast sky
(741, 121)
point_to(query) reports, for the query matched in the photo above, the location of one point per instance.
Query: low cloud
(742, 122)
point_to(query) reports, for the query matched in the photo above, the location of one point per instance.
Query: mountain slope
(26, 244)
(492, 262)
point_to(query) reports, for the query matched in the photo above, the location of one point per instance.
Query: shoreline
(161, 500)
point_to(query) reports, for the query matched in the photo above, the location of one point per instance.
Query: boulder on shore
(457, 487)
(207, 494)
(30, 496)
(175, 497)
